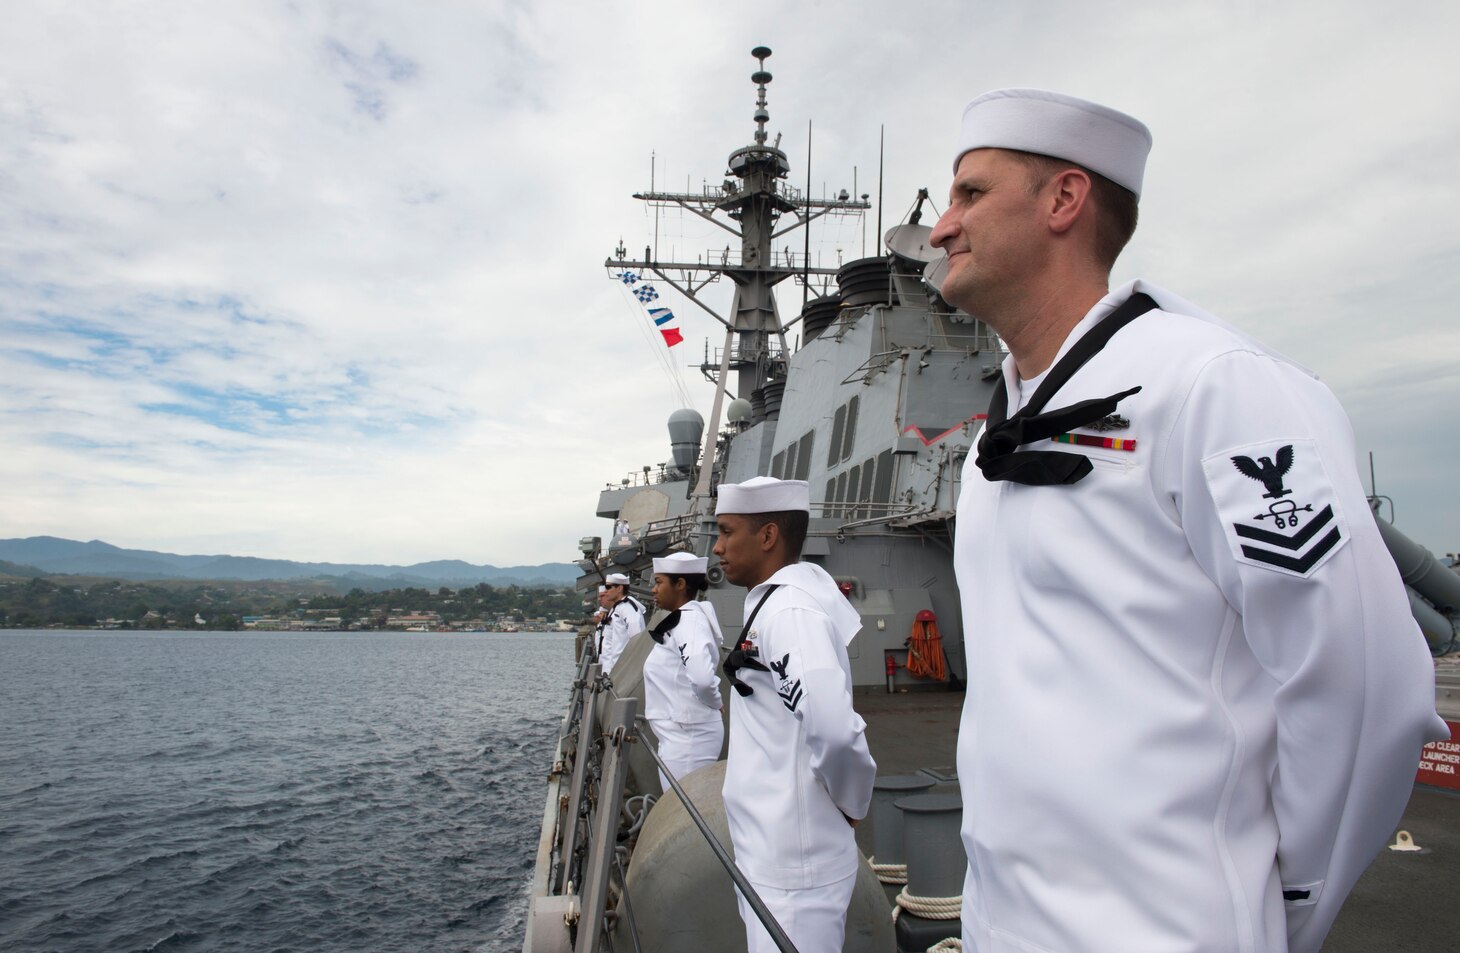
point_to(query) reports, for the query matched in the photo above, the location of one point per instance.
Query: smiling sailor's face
(988, 232)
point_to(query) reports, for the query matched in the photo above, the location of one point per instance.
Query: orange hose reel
(925, 648)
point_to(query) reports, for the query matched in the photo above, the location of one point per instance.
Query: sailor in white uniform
(681, 674)
(798, 776)
(1196, 696)
(600, 620)
(625, 620)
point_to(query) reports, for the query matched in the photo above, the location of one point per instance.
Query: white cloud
(321, 281)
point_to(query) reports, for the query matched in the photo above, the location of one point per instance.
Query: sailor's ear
(769, 535)
(1069, 195)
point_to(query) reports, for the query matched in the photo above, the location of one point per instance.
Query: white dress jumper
(1196, 696)
(682, 692)
(625, 620)
(798, 767)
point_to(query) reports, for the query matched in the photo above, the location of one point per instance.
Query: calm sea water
(272, 791)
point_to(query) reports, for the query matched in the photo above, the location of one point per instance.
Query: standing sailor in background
(1196, 694)
(625, 620)
(600, 621)
(681, 674)
(798, 775)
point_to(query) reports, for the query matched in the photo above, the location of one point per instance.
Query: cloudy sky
(324, 280)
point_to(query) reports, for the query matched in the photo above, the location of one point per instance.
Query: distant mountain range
(50, 554)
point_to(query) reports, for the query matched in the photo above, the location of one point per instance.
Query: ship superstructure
(871, 393)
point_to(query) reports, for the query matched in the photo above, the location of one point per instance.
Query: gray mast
(752, 205)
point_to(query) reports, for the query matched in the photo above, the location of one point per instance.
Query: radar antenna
(750, 204)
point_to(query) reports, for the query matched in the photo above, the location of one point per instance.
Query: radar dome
(738, 411)
(686, 427)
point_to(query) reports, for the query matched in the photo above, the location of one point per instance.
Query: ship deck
(1404, 901)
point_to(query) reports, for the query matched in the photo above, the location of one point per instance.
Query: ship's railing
(584, 717)
(862, 511)
(584, 857)
(646, 476)
(679, 532)
(746, 355)
(853, 509)
(655, 539)
(853, 515)
(674, 529)
(597, 860)
(728, 257)
(712, 194)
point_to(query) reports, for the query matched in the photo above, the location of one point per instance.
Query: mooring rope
(929, 908)
(888, 873)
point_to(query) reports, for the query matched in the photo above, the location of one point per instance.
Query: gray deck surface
(1404, 902)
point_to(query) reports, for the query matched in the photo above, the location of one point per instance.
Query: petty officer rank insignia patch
(788, 688)
(1277, 505)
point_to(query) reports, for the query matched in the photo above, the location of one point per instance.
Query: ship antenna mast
(761, 78)
(750, 205)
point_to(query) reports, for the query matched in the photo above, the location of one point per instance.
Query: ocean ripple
(268, 791)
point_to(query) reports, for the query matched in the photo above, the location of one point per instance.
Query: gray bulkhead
(877, 415)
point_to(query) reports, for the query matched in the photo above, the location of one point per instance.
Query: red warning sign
(1439, 763)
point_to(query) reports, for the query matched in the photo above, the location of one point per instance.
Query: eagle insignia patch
(788, 688)
(1264, 471)
(1277, 505)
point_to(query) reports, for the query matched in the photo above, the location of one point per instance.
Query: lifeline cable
(762, 913)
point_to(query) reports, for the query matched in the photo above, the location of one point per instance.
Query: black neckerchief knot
(999, 456)
(664, 627)
(745, 654)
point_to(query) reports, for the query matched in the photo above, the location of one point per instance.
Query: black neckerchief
(999, 456)
(744, 655)
(665, 626)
